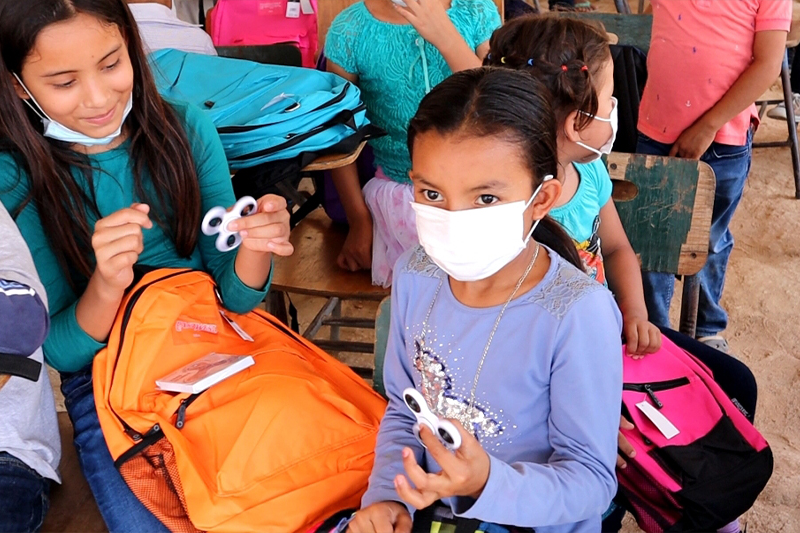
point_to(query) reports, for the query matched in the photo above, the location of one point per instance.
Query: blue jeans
(24, 496)
(121, 510)
(731, 166)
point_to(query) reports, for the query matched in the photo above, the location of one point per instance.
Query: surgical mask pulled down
(56, 130)
(473, 244)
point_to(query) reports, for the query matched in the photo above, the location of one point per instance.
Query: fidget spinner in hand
(217, 219)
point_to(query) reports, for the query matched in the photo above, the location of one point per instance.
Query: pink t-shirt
(698, 50)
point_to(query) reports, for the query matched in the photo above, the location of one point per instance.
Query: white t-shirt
(161, 28)
(28, 423)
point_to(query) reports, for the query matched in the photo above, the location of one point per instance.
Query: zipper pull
(653, 397)
(181, 418)
(133, 434)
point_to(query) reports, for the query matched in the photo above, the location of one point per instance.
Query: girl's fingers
(128, 243)
(413, 497)
(279, 219)
(129, 215)
(277, 247)
(272, 203)
(113, 233)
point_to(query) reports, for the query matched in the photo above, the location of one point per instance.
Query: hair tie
(564, 68)
(503, 60)
(530, 62)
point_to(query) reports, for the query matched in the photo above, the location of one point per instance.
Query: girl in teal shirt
(396, 55)
(101, 174)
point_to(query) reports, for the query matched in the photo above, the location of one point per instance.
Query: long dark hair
(488, 102)
(158, 144)
(564, 53)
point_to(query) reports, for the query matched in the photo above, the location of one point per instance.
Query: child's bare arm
(625, 281)
(430, 19)
(356, 253)
(768, 50)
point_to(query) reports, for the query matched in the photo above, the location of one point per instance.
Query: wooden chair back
(328, 9)
(273, 54)
(633, 30)
(669, 219)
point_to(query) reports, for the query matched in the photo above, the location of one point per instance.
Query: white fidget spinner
(446, 432)
(217, 219)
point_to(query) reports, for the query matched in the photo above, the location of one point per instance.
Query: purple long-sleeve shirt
(547, 402)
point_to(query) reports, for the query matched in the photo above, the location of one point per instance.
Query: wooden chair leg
(790, 121)
(623, 7)
(690, 302)
(276, 306)
(641, 7)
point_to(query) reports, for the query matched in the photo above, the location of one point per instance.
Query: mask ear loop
(536, 222)
(39, 112)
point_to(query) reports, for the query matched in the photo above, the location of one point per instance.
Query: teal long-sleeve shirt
(68, 347)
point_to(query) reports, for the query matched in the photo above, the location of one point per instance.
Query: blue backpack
(265, 113)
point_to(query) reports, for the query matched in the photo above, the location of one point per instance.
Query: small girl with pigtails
(572, 58)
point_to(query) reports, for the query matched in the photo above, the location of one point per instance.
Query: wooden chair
(669, 220)
(312, 270)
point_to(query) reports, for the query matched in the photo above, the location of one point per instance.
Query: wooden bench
(312, 270)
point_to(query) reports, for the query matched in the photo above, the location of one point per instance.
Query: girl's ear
(571, 131)
(546, 199)
(18, 88)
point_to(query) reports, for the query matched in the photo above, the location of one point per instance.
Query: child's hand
(623, 446)
(356, 253)
(388, 517)
(430, 19)
(694, 141)
(641, 337)
(463, 474)
(267, 230)
(117, 242)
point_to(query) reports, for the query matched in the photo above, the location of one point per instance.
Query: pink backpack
(709, 472)
(254, 22)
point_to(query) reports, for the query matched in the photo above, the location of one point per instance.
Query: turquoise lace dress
(396, 68)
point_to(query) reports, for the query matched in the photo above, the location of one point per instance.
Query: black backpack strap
(23, 367)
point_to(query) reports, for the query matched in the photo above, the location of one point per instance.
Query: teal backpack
(266, 113)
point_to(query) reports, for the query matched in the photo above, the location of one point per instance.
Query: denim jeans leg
(24, 496)
(731, 166)
(121, 510)
(658, 286)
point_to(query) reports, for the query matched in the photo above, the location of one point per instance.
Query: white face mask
(613, 120)
(473, 244)
(56, 130)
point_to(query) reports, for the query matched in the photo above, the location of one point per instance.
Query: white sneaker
(779, 111)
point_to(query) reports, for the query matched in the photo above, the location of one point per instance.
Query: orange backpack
(277, 447)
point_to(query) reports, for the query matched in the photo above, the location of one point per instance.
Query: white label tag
(306, 7)
(666, 427)
(292, 9)
(242, 333)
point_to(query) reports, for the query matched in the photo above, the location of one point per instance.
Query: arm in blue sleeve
(578, 481)
(216, 190)
(396, 427)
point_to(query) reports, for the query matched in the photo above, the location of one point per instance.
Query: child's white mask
(613, 119)
(56, 130)
(473, 244)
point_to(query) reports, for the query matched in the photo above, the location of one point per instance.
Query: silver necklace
(465, 419)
